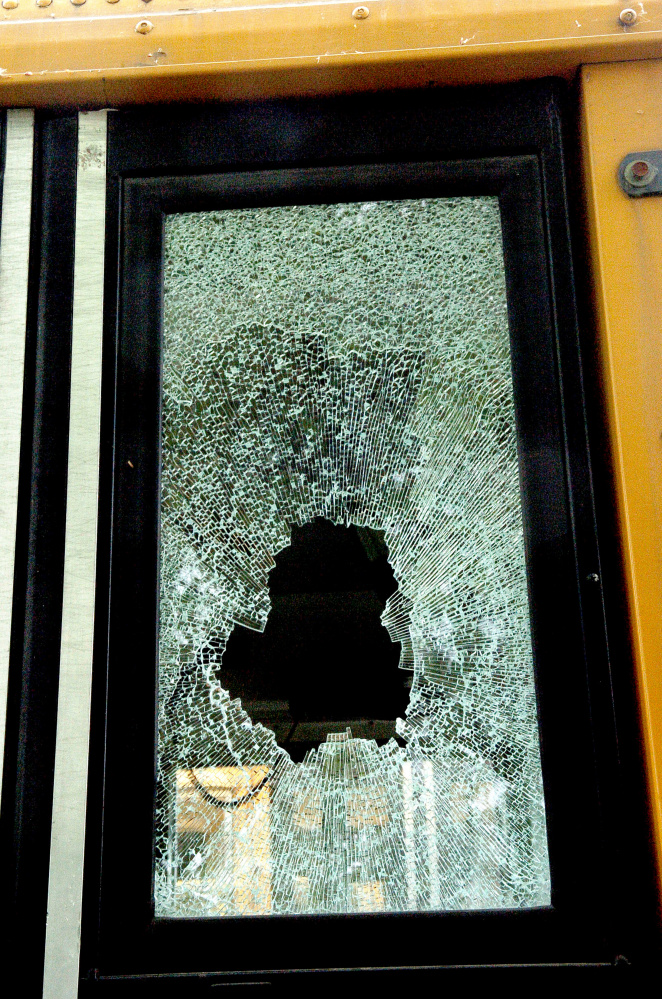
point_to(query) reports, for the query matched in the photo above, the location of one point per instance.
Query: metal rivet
(360, 13)
(111, 1)
(9, 4)
(144, 27)
(640, 173)
(44, 3)
(78, 3)
(627, 16)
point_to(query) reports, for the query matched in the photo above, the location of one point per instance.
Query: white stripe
(65, 885)
(14, 254)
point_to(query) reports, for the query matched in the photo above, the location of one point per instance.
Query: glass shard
(349, 362)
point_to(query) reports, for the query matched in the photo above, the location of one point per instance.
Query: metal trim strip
(14, 259)
(71, 56)
(65, 887)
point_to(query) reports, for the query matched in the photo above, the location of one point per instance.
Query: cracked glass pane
(347, 713)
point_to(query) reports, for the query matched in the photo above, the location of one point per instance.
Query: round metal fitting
(360, 13)
(9, 4)
(111, 1)
(640, 169)
(44, 3)
(640, 173)
(78, 3)
(144, 27)
(627, 16)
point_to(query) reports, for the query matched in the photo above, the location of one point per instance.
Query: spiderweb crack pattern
(352, 362)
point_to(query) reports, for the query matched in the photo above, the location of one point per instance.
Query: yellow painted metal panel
(622, 113)
(91, 53)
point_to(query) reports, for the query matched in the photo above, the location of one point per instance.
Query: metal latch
(641, 173)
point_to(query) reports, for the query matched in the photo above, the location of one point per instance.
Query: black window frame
(503, 141)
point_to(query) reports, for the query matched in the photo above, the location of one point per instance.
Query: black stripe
(35, 647)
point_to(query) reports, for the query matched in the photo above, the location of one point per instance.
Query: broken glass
(346, 364)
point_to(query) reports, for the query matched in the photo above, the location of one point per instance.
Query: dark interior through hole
(325, 661)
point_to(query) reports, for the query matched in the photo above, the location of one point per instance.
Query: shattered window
(347, 713)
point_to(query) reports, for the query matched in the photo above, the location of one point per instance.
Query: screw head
(10, 4)
(144, 27)
(360, 13)
(640, 169)
(78, 3)
(627, 16)
(43, 3)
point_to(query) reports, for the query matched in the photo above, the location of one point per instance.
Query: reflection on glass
(347, 709)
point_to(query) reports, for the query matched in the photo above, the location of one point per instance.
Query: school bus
(331, 507)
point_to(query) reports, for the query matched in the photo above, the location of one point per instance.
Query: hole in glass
(324, 662)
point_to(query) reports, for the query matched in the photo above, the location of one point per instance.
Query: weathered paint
(92, 54)
(622, 113)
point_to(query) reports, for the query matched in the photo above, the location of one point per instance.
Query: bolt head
(10, 4)
(640, 173)
(144, 27)
(44, 3)
(360, 13)
(627, 16)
